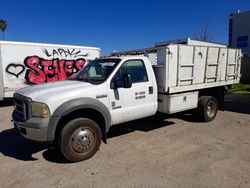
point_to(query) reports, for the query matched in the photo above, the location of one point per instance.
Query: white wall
(24, 64)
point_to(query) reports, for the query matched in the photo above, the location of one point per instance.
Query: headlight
(40, 110)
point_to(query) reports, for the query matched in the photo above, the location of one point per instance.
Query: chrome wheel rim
(82, 140)
(211, 109)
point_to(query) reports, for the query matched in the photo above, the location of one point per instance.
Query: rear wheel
(207, 108)
(79, 139)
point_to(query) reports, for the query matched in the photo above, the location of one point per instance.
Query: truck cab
(77, 113)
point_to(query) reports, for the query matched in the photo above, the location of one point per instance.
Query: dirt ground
(169, 151)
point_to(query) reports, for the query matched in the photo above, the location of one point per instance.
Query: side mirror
(125, 82)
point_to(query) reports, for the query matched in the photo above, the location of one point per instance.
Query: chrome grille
(22, 107)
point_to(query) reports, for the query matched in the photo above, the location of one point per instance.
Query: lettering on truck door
(135, 102)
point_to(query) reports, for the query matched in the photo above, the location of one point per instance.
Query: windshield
(97, 71)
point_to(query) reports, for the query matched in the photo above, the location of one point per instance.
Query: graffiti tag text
(41, 70)
(72, 53)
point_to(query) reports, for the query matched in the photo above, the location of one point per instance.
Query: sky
(115, 25)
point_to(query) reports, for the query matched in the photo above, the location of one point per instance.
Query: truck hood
(53, 88)
(56, 93)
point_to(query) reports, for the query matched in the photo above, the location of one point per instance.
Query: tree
(3, 26)
(204, 34)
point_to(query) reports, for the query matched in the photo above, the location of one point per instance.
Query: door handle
(150, 89)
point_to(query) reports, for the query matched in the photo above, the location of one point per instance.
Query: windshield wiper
(80, 79)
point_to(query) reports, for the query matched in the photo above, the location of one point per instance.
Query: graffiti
(15, 69)
(58, 64)
(72, 53)
(41, 70)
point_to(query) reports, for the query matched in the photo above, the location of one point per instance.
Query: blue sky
(115, 24)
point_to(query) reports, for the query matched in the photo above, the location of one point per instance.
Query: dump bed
(183, 68)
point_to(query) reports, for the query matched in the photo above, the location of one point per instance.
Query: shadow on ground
(15, 146)
(238, 102)
(6, 102)
(145, 125)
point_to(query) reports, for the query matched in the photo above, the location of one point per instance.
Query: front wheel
(207, 108)
(79, 139)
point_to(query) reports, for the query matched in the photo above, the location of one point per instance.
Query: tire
(207, 108)
(80, 139)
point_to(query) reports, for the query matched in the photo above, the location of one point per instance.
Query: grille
(22, 107)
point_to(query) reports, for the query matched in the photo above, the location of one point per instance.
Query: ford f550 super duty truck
(77, 113)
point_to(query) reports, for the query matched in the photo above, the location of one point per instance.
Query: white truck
(23, 64)
(76, 114)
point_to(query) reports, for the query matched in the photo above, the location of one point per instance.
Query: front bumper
(34, 128)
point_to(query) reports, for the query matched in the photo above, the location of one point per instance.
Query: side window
(242, 42)
(136, 69)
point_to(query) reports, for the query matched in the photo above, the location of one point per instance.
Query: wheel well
(84, 113)
(216, 92)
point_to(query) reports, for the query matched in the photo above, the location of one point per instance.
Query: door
(136, 102)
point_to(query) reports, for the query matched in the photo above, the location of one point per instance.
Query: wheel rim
(82, 140)
(211, 109)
